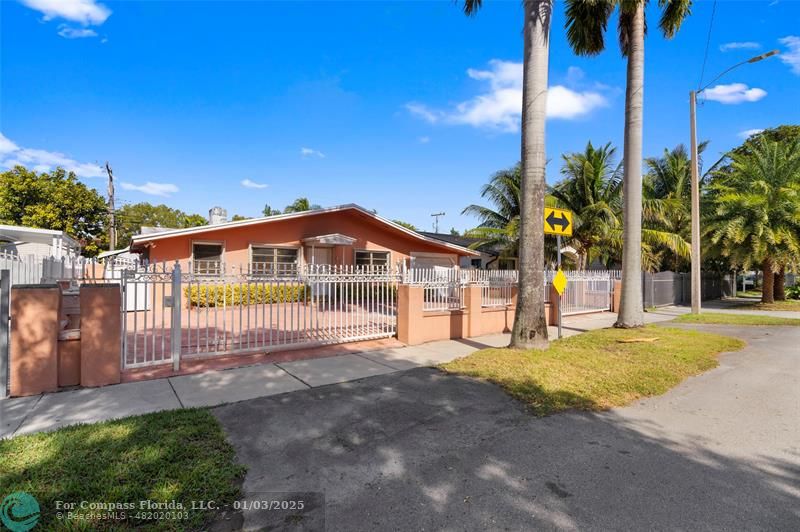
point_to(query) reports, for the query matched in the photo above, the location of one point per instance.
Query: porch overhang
(333, 239)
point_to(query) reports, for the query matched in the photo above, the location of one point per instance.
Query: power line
(708, 44)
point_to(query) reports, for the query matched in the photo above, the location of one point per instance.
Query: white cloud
(791, 56)
(247, 183)
(501, 107)
(734, 93)
(153, 189)
(86, 12)
(746, 45)
(747, 133)
(424, 140)
(43, 160)
(310, 152)
(75, 33)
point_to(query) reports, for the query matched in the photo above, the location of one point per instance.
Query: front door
(322, 255)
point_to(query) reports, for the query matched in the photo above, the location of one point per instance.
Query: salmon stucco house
(275, 245)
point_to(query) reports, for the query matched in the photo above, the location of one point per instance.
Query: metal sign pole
(560, 300)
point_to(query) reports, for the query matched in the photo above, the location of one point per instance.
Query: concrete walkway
(88, 405)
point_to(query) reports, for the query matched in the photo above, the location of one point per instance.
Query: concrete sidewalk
(50, 411)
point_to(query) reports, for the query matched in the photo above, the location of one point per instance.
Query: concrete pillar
(474, 323)
(33, 357)
(409, 313)
(101, 334)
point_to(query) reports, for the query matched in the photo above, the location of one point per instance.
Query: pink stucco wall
(370, 234)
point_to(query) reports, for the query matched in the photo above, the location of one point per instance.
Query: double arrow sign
(557, 222)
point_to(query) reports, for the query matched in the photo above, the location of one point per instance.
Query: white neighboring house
(31, 241)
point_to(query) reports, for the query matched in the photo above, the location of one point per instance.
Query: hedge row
(246, 294)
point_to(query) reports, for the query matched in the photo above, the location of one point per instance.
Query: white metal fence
(443, 288)
(192, 315)
(169, 312)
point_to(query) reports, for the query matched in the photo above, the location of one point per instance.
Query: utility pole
(112, 229)
(436, 222)
(695, 256)
(696, 280)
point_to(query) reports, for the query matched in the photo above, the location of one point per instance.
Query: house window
(506, 264)
(207, 259)
(475, 263)
(372, 258)
(273, 261)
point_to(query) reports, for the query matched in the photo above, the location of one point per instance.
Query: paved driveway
(420, 450)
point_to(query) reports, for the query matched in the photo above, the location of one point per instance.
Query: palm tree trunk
(530, 327)
(631, 313)
(779, 288)
(768, 285)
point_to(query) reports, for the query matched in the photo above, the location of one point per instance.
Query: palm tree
(591, 190)
(530, 327)
(754, 209)
(300, 205)
(499, 225)
(586, 24)
(667, 196)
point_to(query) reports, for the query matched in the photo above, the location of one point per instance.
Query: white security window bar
(372, 260)
(206, 258)
(273, 261)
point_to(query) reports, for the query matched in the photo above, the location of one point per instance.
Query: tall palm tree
(586, 24)
(753, 215)
(530, 327)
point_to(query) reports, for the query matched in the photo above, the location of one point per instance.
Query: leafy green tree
(54, 200)
(753, 209)
(300, 205)
(783, 133)
(405, 224)
(131, 218)
(586, 25)
(239, 217)
(269, 211)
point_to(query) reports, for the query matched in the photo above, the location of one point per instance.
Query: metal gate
(190, 315)
(5, 317)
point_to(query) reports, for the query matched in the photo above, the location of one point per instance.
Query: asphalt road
(420, 450)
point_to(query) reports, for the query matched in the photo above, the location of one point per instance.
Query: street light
(696, 289)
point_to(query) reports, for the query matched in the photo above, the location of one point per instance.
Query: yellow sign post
(557, 222)
(560, 282)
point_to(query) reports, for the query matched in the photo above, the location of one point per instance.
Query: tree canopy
(54, 200)
(131, 218)
(300, 205)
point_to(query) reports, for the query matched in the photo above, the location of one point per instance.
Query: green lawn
(594, 370)
(179, 455)
(719, 318)
(789, 304)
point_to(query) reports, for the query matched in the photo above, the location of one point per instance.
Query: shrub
(217, 295)
(793, 292)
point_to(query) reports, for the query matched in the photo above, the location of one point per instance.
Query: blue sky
(403, 107)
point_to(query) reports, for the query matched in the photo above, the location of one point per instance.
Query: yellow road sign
(557, 221)
(560, 282)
